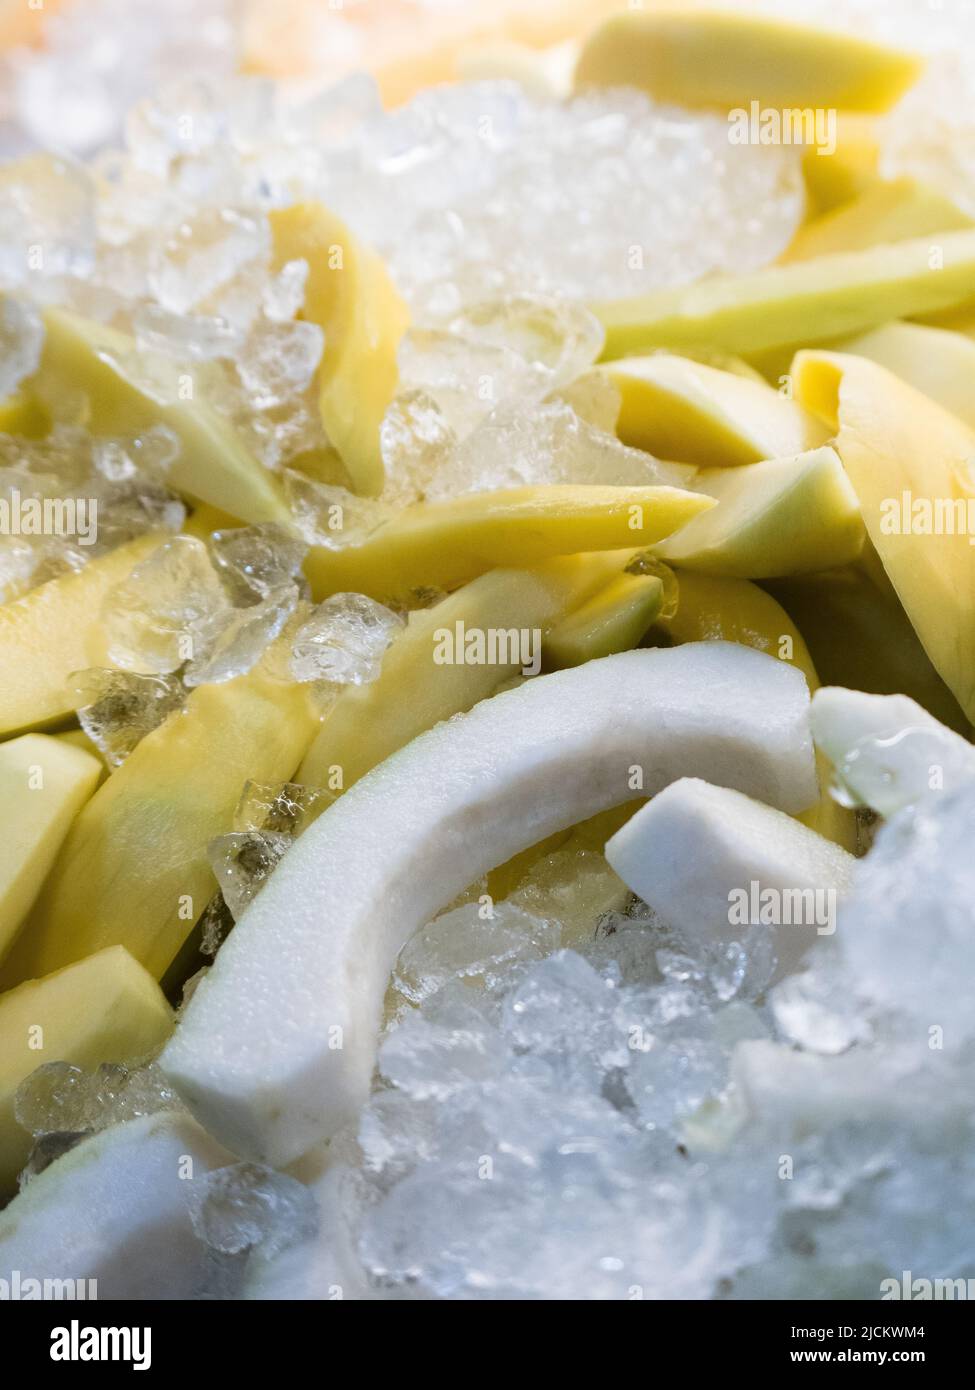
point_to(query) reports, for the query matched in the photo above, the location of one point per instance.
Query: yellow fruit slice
(103, 1009)
(350, 295)
(22, 414)
(611, 621)
(809, 301)
(782, 516)
(729, 60)
(836, 176)
(680, 409)
(860, 638)
(212, 465)
(445, 544)
(909, 461)
(53, 630)
(888, 211)
(416, 690)
(133, 870)
(933, 360)
(44, 783)
(714, 609)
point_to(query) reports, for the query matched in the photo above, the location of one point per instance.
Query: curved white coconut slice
(277, 1047)
(712, 861)
(115, 1210)
(887, 750)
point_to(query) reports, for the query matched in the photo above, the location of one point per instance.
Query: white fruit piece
(711, 862)
(277, 1047)
(887, 751)
(116, 1210)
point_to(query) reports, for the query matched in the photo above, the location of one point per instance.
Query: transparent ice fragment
(155, 618)
(202, 254)
(21, 340)
(256, 561)
(236, 639)
(331, 516)
(53, 1099)
(284, 808)
(284, 293)
(344, 640)
(117, 1094)
(184, 336)
(432, 1057)
(416, 442)
(47, 221)
(596, 399)
(475, 941)
(216, 923)
(148, 456)
(278, 361)
(120, 707)
(243, 861)
(555, 338)
(547, 445)
(245, 1205)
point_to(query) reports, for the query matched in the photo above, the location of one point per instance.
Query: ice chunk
(193, 336)
(117, 1094)
(563, 1011)
(555, 338)
(155, 618)
(236, 1208)
(21, 340)
(120, 707)
(416, 443)
(243, 861)
(278, 361)
(574, 887)
(476, 941)
(53, 1099)
(285, 808)
(47, 220)
(235, 640)
(930, 134)
(203, 254)
(255, 561)
(549, 444)
(216, 923)
(284, 294)
(444, 1051)
(344, 640)
(331, 516)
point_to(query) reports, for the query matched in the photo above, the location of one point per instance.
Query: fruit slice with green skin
(837, 177)
(783, 516)
(277, 1047)
(54, 630)
(807, 302)
(695, 849)
(44, 783)
(115, 1209)
(445, 544)
(103, 1009)
(896, 443)
(716, 59)
(679, 409)
(213, 465)
(611, 621)
(933, 360)
(889, 210)
(888, 752)
(860, 636)
(414, 690)
(350, 295)
(134, 870)
(711, 609)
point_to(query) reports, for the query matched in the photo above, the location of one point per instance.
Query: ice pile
(622, 1118)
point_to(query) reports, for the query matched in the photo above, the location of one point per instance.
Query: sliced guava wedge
(277, 1046)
